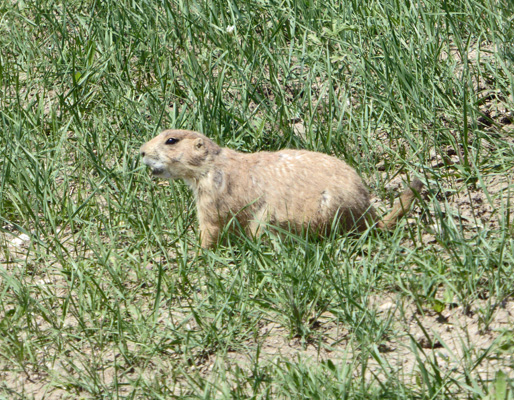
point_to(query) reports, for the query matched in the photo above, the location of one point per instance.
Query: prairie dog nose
(142, 150)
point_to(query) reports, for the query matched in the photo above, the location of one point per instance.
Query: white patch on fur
(157, 165)
(325, 200)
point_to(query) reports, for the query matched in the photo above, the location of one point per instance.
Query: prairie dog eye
(171, 141)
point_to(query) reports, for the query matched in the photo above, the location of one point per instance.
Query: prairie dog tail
(401, 206)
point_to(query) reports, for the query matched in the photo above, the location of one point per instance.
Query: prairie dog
(294, 189)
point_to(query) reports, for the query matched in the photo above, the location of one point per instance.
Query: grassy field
(104, 292)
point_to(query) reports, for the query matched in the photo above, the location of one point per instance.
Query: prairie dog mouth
(157, 171)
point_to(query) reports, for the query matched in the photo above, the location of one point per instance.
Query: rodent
(293, 189)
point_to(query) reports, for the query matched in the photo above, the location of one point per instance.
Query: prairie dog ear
(198, 143)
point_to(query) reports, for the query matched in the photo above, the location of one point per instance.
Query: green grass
(110, 297)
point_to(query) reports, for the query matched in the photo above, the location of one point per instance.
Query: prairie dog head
(175, 154)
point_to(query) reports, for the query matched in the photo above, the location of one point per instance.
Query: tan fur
(294, 189)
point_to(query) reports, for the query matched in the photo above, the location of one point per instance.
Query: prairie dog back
(295, 189)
